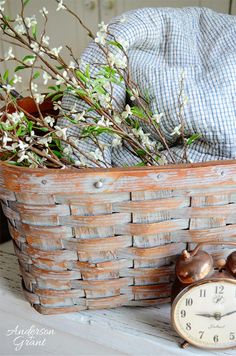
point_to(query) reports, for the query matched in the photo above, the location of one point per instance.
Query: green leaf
(57, 153)
(95, 130)
(87, 71)
(34, 31)
(141, 164)
(52, 88)
(60, 67)
(19, 68)
(26, 2)
(140, 152)
(6, 75)
(28, 57)
(30, 126)
(136, 111)
(81, 76)
(57, 96)
(116, 44)
(81, 92)
(36, 75)
(193, 138)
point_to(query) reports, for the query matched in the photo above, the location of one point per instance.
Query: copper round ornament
(231, 263)
(193, 267)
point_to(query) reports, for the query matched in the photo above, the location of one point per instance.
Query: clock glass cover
(205, 314)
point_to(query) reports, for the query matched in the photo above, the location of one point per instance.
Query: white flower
(20, 28)
(79, 117)
(22, 146)
(30, 21)
(135, 94)
(117, 119)
(57, 105)
(97, 154)
(105, 100)
(101, 38)
(65, 75)
(72, 65)
(157, 117)
(35, 47)
(81, 161)
(8, 88)
(34, 86)
(117, 60)
(74, 110)
(60, 80)
(45, 140)
(68, 150)
(39, 98)
(104, 122)
(60, 6)
(46, 78)
(127, 112)
(17, 79)
(9, 54)
(55, 51)
(61, 132)
(22, 156)
(116, 142)
(45, 40)
(5, 139)
(144, 137)
(30, 138)
(102, 27)
(49, 120)
(176, 131)
(16, 117)
(43, 11)
(123, 19)
(2, 3)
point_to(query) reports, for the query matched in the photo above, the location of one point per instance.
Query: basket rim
(120, 169)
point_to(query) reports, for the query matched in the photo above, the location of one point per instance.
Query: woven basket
(102, 238)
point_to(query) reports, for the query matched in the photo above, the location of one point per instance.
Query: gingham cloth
(164, 42)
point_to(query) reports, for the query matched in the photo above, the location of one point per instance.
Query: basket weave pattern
(94, 239)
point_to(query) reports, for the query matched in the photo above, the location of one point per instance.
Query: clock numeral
(183, 313)
(188, 302)
(202, 293)
(232, 336)
(188, 326)
(201, 334)
(216, 338)
(219, 289)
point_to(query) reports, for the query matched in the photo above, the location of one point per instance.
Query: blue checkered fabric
(164, 42)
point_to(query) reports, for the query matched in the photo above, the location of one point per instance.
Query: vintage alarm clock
(204, 299)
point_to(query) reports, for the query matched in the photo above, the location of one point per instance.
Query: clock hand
(206, 315)
(232, 312)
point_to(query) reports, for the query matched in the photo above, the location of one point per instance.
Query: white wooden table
(122, 331)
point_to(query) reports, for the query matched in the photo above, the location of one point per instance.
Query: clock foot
(184, 345)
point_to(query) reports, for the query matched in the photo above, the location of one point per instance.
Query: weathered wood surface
(194, 176)
(133, 331)
(115, 245)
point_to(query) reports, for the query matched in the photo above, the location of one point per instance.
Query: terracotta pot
(29, 105)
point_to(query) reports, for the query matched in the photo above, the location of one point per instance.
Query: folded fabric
(162, 44)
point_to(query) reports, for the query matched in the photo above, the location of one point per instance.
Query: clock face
(205, 314)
